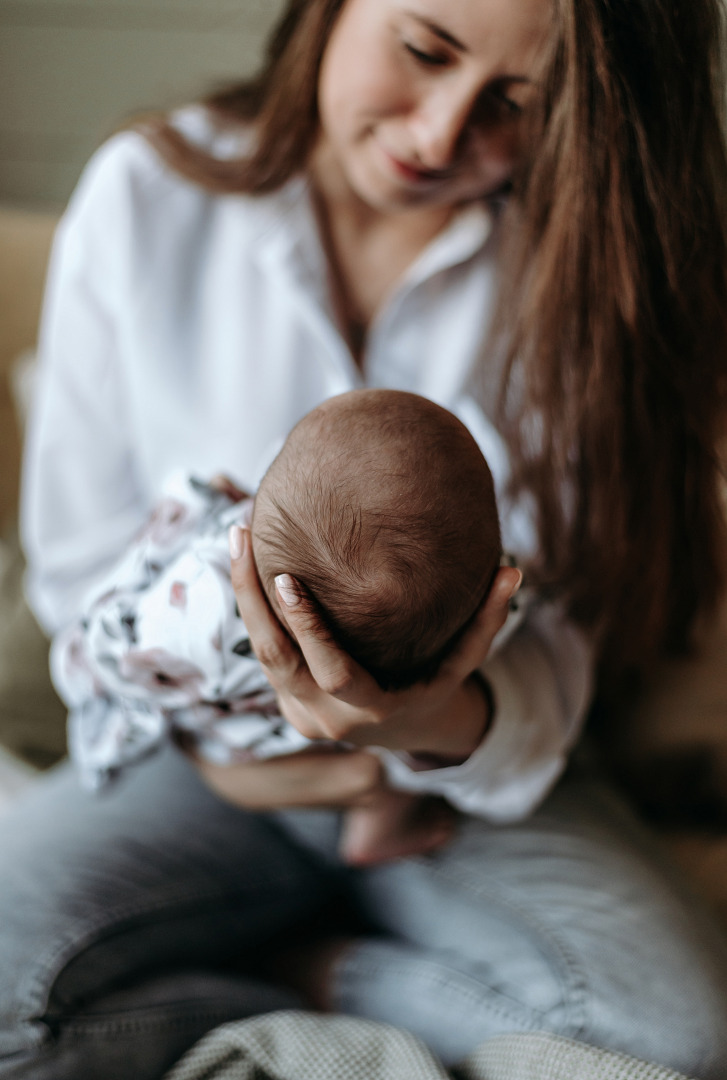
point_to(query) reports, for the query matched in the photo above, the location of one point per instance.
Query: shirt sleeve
(541, 680)
(81, 500)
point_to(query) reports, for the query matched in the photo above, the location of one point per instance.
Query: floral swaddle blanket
(162, 648)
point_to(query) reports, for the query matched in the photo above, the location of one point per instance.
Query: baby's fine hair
(382, 505)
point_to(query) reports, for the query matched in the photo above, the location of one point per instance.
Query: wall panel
(72, 70)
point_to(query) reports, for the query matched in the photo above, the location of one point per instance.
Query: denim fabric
(127, 924)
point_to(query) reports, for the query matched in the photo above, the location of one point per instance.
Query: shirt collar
(289, 239)
(466, 234)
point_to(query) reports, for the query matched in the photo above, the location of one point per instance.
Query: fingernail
(236, 539)
(516, 586)
(287, 591)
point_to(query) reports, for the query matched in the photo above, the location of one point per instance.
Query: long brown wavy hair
(613, 311)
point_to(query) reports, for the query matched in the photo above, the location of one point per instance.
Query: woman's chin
(386, 194)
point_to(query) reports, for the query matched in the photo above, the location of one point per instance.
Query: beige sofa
(31, 716)
(25, 240)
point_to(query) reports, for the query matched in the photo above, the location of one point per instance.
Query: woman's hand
(313, 779)
(325, 694)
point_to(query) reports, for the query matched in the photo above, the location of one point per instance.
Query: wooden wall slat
(191, 14)
(71, 72)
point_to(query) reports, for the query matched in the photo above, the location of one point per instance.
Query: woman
(351, 217)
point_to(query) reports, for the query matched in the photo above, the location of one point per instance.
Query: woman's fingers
(475, 645)
(324, 693)
(333, 670)
(303, 675)
(272, 646)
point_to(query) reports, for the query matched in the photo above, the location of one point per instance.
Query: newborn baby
(381, 504)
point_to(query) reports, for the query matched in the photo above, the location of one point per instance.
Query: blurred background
(72, 71)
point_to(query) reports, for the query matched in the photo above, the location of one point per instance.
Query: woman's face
(421, 101)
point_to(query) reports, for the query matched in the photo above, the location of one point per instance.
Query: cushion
(32, 717)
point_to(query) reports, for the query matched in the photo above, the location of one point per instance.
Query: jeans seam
(35, 990)
(93, 1027)
(563, 962)
(474, 995)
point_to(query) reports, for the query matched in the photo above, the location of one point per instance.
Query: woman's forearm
(470, 715)
(314, 779)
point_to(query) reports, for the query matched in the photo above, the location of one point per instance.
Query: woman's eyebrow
(439, 31)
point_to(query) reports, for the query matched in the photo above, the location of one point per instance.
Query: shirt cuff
(517, 762)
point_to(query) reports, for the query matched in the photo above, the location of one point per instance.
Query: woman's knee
(666, 1003)
(25, 979)
(576, 917)
(138, 1032)
(92, 894)
(32, 928)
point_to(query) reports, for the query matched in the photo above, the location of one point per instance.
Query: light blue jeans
(130, 924)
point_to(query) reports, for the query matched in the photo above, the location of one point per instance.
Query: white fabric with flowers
(162, 648)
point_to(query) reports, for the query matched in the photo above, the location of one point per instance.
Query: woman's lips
(413, 174)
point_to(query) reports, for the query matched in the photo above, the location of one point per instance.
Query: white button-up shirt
(188, 330)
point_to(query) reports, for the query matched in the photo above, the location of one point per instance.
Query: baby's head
(382, 505)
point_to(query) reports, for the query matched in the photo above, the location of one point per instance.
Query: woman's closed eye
(514, 93)
(509, 103)
(495, 105)
(426, 57)
(497, 94)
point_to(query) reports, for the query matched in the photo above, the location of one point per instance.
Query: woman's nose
(438, 128)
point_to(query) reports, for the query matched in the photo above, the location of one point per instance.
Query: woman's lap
(566, 922)
(572, 922)
(156, 877)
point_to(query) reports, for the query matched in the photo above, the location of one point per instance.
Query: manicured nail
(516, 586)
(286, 590)
(236, 539)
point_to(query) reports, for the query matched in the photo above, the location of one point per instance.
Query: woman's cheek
(382, 93)
(497, 157)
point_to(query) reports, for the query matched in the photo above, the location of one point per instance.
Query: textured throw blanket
(304, 1046)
